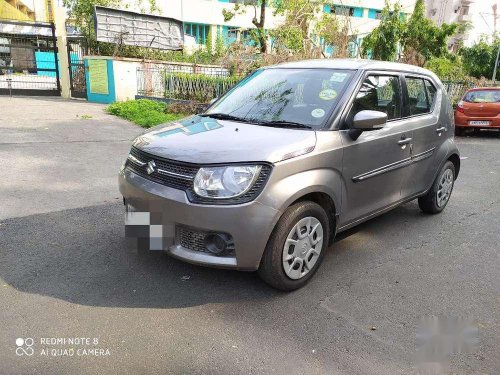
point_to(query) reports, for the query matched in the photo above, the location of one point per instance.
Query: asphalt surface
(65, 271)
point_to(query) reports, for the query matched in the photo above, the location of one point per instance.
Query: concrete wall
(123, 76)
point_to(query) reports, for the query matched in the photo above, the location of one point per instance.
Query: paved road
(65, 271)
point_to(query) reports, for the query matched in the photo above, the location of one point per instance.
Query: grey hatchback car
(289, 157)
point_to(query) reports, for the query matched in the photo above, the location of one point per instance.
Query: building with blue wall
(204, 18)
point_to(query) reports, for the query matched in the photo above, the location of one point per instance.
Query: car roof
(354, 64)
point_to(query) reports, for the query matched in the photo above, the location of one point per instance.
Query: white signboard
(135, 29)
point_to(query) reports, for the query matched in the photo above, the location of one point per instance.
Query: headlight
(225, 182)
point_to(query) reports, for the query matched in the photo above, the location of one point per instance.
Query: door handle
(404, 141)
(441, 129)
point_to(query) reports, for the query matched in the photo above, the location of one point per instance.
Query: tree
(422, 39)
(447, 68)
(479, 59)
(303, 33)
(295, 33)
(335, 32)
(259, 19)
(384, 41)
(414, 41)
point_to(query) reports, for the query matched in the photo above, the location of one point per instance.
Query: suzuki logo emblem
(151, 167)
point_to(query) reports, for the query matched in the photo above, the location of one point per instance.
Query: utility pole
(494, 7)
(496, 64)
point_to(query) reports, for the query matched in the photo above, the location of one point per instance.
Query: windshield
(483, 96)
(279, 96)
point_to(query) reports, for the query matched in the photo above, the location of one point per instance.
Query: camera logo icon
(24, 346)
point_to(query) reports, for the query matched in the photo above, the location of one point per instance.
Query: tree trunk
(260, 26)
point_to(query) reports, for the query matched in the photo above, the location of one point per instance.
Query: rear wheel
(439, 194)
(296, 247)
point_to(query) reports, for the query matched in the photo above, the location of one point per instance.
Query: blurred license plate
(479, 122)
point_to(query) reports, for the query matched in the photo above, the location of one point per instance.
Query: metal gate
(76, 50)
(28, 59)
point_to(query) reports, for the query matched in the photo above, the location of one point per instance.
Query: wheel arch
(328, 204)
(455, 159)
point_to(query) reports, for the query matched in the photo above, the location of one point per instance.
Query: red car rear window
(483, 96)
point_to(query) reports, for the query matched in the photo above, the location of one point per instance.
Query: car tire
(459, 132)
(434, 201)
(285, 242)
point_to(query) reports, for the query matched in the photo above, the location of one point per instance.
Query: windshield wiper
(223, 116)
(277, 123)
(284, 124)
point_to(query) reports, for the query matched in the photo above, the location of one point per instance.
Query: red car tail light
(460, 106)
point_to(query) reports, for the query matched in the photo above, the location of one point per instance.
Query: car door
(422, 112)
(375, 164)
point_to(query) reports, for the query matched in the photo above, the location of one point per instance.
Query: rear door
(423, 103)
(375, 164)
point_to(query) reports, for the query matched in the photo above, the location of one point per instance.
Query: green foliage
(259, 35)
(198, 87)
(447, 68)
(143, 112)
(289, 37)
(383, 42)
(422, 39)
(220, 47)
(294, 34)
(419, 38)
(208, 42)
(479, 59)
(333, 32)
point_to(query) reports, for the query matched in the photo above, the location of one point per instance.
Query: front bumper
(249, 224)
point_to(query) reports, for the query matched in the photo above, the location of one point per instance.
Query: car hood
(204, 140)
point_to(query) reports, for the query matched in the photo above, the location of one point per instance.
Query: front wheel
(296, 247)
(439, 194)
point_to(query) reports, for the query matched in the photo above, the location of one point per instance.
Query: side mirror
(369, 120)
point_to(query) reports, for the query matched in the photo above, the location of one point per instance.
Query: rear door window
(418, 97)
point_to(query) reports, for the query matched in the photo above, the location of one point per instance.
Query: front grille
(180, 175)
(172, 166)
(192, 239)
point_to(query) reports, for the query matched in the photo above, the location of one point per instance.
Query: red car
(478, 109)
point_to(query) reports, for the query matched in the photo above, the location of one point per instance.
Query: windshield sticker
(328, 94)
(338, 77)
(317, 113)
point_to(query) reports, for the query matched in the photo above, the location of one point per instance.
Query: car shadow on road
(82, 256)
(478, 134)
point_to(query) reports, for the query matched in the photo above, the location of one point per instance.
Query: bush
(143, 112)
(446, 68)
